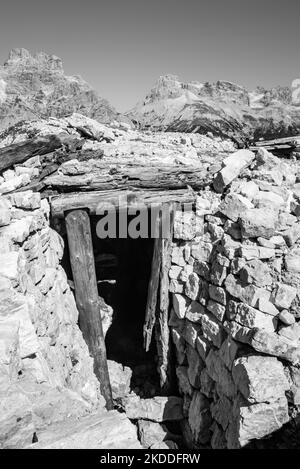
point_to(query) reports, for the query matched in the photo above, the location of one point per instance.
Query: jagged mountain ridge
(35, 86)
(223, 108)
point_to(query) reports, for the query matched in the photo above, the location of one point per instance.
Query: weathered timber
(153, 286)
(98, 201)
(280, 146)
(40, 145)
(109, 175)
(163, 333)
(279, 141)
(86, 293)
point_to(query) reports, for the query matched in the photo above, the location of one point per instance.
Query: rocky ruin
(222, 319)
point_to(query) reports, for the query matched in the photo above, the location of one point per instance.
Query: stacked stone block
(46, 373)
(234, 283)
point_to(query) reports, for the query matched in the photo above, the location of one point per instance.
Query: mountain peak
(21, 57)
(35, 86)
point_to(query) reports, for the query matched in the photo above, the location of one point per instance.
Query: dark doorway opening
(123, 270)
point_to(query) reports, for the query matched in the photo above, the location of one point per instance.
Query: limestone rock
(234, 165)
(200, 418)
(90, 127)
(256, 421)
(249, 189)
(9, 265)
(16, 420)
(108, 430)
(157, 409)
(218, 294)
(268, 200)
(291, 332)
(212, 329)
(195, 366)
(248, 294)
(153, 433)
(179, 255)
(220, 374)
(283, 296)
(19, 230)
(216, 309)
(179, 343)
(180, 305)
(256, 272)
(264, 305)
(252, 251)
(167, 444)
(260, 379)
(202, 251)
(218, 440)
(207, 384)
(221, 411)
(203, 346)
(286, 317)
(251, 317)
(5, 216)
(239, 333)
(190, 333)
(219, 270)
(273, 344)
(120, 377)
(183, 380)
(174, 271)
(187, 225)
(228, 351)
(234, 206)
(194, 312)
(192, 286)
(258, 222)
(27, 200)
(292, 261)
(14, 312)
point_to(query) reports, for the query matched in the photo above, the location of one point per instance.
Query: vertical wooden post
(153, 286)
(86, 293)
(163, 333)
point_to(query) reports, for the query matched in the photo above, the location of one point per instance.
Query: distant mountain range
(35, 86)
(223, 108)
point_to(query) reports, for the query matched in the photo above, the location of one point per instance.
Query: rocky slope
(34, 86)
(223, 108)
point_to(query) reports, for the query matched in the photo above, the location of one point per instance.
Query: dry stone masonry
(234, 285)
(46, 371)
(235, 304)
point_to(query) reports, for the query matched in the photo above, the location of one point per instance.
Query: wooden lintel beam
(94, 200)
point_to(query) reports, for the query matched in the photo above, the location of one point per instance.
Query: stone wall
(235, 285)
(234, 321)
(46, 373)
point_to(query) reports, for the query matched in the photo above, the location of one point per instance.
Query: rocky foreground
(234, 284)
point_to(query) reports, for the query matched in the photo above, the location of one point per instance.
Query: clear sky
(122, 46)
